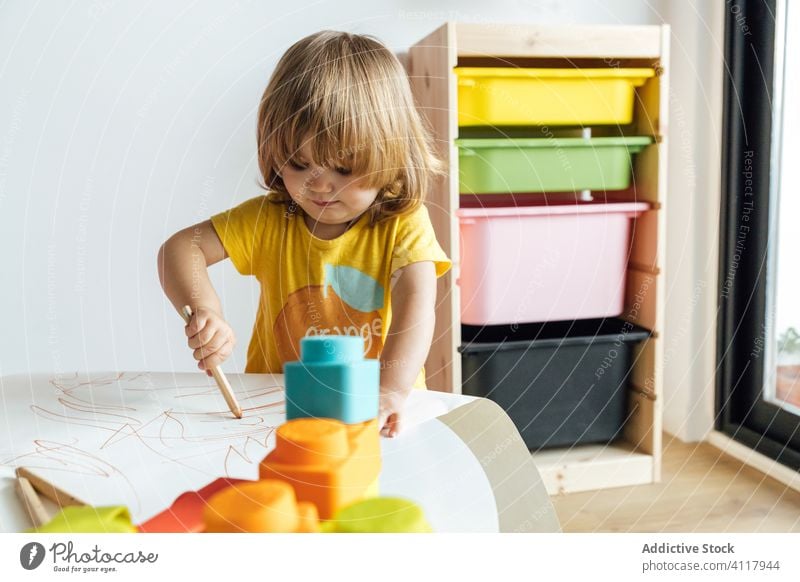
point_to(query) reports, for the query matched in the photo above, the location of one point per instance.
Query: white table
(142, 438)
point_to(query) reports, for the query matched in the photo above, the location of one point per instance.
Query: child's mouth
(325, 204)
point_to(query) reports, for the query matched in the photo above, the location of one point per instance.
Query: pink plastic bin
(540, 263)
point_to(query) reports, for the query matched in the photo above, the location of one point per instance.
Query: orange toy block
(185, 515)
(259, 507)
(329, 463)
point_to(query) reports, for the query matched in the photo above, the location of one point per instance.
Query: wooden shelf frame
(636, 459)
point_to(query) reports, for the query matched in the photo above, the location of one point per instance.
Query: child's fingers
(382, 415)
(204, 336)
(212, 362)
(212, 359)
(216, 341)
(396, 424)
(392, 427)
(197, 322)
(215, 359)
(207, 334)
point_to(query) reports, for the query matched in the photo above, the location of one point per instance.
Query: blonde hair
(350, 96)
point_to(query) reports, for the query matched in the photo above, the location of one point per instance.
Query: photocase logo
(31, 555)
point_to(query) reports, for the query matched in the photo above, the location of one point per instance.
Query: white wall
(696, 68)
(123, 121)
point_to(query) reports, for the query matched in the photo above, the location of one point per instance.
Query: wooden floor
(702, 490)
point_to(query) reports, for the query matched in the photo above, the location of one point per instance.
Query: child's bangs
(352, 146)
(367, 155)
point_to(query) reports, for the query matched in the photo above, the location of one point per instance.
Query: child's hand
(390, 411)
(211, 338)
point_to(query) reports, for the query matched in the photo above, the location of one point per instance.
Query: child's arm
(183, 262)
(408, 340)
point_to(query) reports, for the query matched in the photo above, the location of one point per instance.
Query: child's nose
(321, 181)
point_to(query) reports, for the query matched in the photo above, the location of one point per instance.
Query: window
(758, 386)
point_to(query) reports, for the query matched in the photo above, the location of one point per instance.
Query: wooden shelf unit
(636, 459)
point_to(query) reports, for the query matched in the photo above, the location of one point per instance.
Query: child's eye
(296, 166)
(344, 171)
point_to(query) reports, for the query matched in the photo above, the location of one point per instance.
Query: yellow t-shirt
(311, 286)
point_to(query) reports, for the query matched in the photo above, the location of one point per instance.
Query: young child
(341, 243)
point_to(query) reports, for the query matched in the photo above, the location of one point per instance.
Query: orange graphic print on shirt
(347, 303)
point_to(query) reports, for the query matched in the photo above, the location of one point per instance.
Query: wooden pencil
(218, 376)
(31, 502)
(47, 489)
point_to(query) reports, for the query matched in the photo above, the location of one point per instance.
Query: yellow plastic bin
(508, 96)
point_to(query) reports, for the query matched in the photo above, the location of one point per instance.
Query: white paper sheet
(140, 439)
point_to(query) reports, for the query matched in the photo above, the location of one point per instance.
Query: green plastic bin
(491, 166)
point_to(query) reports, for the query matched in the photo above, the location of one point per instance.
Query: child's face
(330, 196)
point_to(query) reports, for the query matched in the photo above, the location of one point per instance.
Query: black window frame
(750, 33)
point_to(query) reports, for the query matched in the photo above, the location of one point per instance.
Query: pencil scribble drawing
(138, 439)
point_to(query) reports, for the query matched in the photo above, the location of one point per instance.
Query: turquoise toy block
(332, 380)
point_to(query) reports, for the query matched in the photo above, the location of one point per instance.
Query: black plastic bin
(561, 382)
